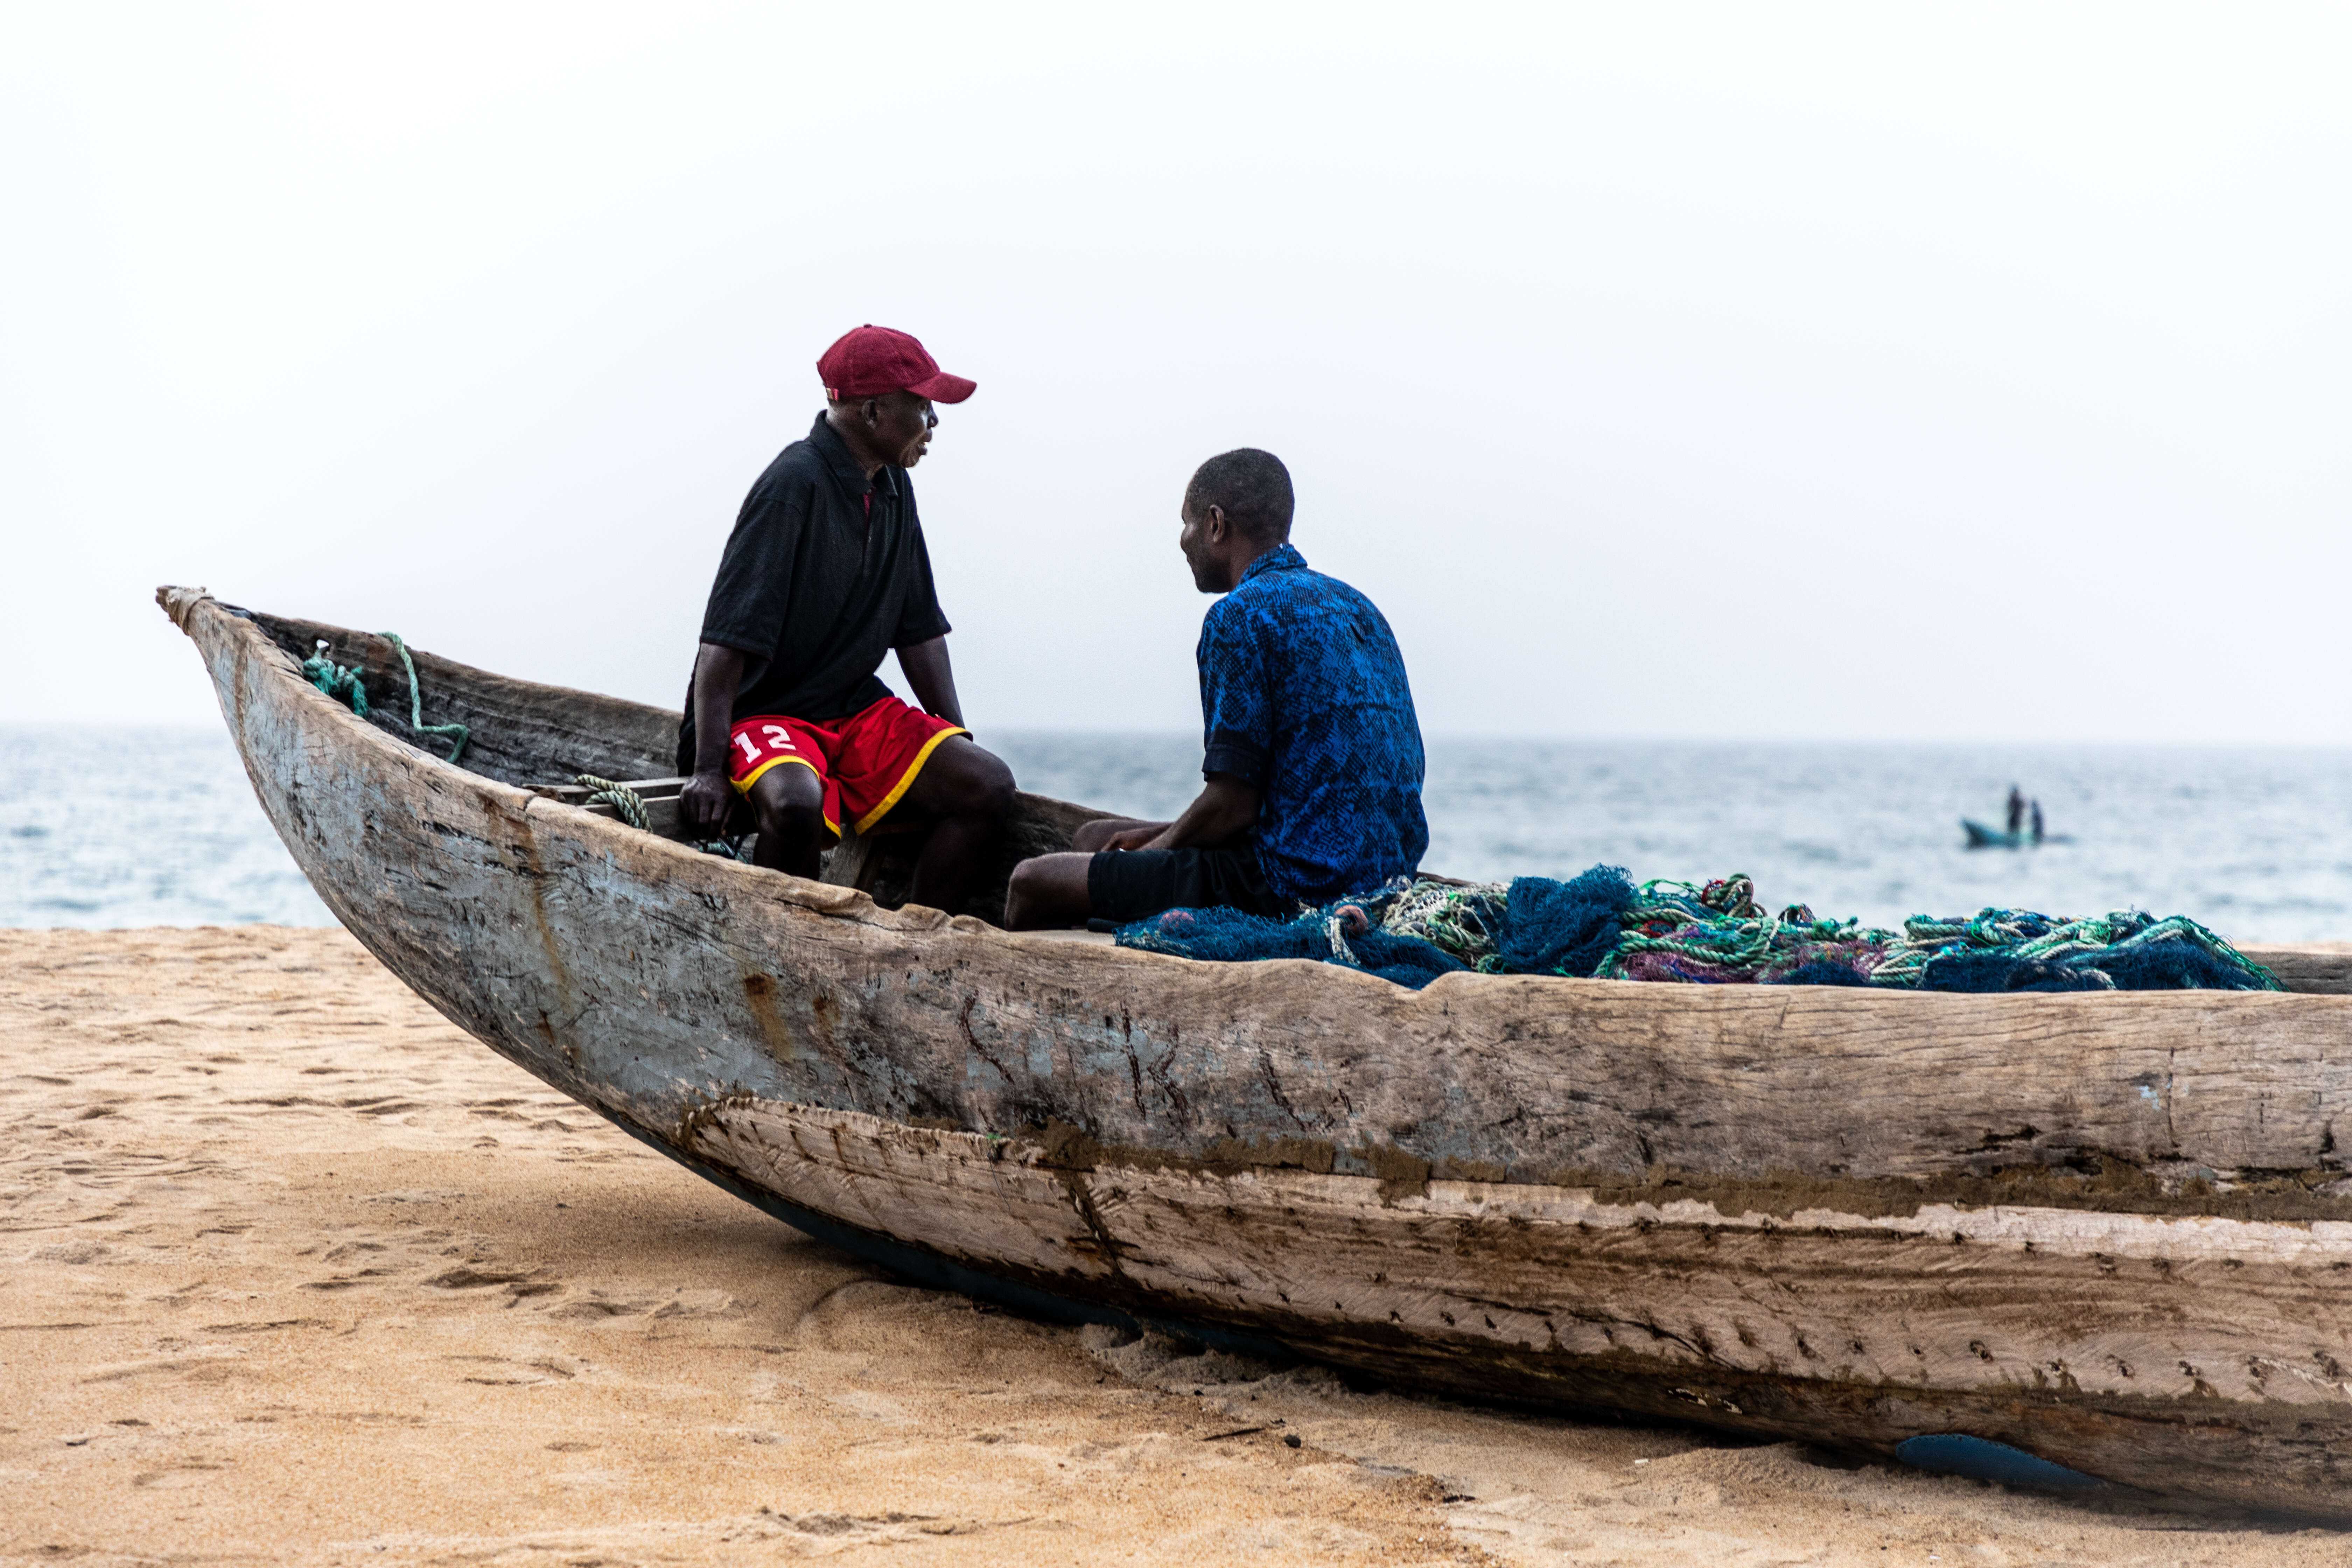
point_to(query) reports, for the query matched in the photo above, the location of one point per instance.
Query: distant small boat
(1983, 838)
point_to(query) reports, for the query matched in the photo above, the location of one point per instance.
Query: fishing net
(1602, 925)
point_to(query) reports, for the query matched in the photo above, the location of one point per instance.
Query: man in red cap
(826, 573)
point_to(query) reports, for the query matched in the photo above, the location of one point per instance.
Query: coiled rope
(627, 803)
(630, 807)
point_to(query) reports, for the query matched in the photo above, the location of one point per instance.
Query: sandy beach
(292, 1271)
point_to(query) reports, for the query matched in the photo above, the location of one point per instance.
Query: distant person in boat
(1312, 768)
(2016, 810)
(2037, 822)
(825, 574)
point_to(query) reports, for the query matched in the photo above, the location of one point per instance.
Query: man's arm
(1225, 808)
(708, 796)
(932, 677)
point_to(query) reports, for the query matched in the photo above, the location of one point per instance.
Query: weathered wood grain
(2323, 968)
(2111, 1230)
(2134, 1333)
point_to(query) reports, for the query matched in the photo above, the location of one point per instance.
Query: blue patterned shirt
(1304, 698)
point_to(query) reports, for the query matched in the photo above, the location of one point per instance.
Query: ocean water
(2257, 844)
(160, 828)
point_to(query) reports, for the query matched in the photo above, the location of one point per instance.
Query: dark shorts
(1126, 885)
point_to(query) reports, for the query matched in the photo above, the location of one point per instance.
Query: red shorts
(865, 761)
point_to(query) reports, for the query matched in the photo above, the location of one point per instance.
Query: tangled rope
(343, 683)
(1719, 933)
(338, 681)
(1463, 923)
(1601, 925)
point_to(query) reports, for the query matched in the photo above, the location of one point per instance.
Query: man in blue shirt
(1313, 763)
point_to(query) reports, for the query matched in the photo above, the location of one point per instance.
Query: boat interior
(544, 738)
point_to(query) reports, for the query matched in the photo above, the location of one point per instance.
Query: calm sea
(2257, 844)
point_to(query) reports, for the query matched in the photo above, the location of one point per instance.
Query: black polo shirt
(823, 574)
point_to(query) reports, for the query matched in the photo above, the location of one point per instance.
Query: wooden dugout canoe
(2109, 1229)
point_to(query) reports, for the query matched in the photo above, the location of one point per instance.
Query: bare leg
(789, 801)
(1093, 836)
(968, 793)
(1048, 891)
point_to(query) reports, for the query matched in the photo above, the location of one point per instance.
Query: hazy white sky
(1915, 372)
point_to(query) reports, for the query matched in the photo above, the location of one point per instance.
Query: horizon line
(1072, 731)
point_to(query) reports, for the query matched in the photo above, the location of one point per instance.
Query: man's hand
(1134, 837)
(704, 803)
(708, 796)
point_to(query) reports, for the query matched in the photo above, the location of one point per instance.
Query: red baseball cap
(874, 360)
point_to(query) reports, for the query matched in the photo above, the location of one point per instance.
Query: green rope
(343, 684)
(417, 702)
(627, 803)
(1719, 927)
(335, 680)
(630, 807)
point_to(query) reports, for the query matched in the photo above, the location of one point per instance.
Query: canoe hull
(1818, 1324)
(1792, 1213)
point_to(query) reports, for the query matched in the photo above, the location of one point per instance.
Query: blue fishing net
(1226, 935)
(2174, 965)
(1407, 960)
(1564, 928)
(1602, 924)
(2168, 963)
(1821, 971)
(1232, 935)
(1988, 971)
